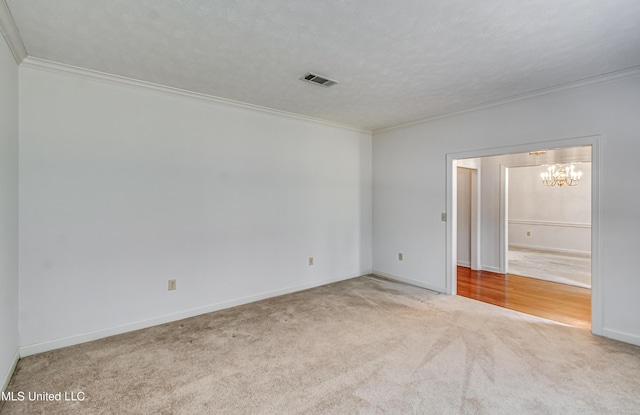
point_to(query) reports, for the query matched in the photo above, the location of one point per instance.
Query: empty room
(241, 207)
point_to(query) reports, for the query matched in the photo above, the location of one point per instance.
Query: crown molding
(11, 34)
(594, 80)
(70, 70)
(75, 71)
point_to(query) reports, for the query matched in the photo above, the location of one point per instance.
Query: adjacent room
(542, 254)
(253, 207)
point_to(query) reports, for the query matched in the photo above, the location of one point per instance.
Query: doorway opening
(549, 226)
(504, 233)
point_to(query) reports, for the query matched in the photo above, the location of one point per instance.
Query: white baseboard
(12, 368)
(547, 249)
(46, 346)
(483, 268)
(410, 281)
(620, 336)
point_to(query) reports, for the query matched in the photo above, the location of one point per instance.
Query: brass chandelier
(561, 175)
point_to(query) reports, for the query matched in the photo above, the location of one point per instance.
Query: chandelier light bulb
(561, 175)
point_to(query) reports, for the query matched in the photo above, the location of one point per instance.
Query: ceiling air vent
(318, 80)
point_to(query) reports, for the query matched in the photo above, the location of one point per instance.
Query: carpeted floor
(572, 269)
(366, 345)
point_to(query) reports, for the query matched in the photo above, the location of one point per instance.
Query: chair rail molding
(543, 223)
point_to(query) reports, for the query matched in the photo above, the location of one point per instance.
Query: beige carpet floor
(362, 346)
(571, 269)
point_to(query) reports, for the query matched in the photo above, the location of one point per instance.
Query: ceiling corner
(11, 34)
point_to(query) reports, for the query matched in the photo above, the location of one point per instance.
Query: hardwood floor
(559, 302)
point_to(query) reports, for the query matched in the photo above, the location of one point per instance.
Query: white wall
(410, 184)
(123, 188)
(557, 218)
(9, 340)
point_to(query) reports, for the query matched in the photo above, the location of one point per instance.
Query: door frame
(596, 244)
(476, 226)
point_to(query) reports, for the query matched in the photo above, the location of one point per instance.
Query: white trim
(594, 80)
(503, 231)
(69, 70)
(476, 219)
(621, 336)
(409, 281)
(466, 264)
(11, 34)
(597, 288)
(492, 269)
(12, 368)
(543, 223)
(32, 62)
(548, 249)
(474, 165)
(451, 226)
(46, 346)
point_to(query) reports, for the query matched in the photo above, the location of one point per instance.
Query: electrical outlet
(310, 260)
(172, 285)
(400, 256)
(443, 217)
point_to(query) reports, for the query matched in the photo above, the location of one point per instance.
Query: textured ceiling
(396, 62)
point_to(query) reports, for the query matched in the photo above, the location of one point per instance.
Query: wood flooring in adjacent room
(559, 302)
